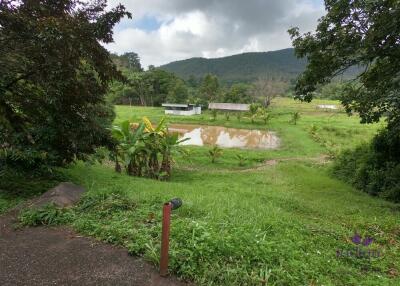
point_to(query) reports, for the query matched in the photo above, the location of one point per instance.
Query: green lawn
(237, 224)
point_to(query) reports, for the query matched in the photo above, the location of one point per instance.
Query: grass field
(283, 221)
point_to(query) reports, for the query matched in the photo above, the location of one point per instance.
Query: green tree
(178, 92)
(141, 88)
(131, 61)
(333, 90)
(146, 88)
(54, 73)
(192, 81)
(162, 82)
(356, 32)
(238, 93)
(209, 87)
(127, 61)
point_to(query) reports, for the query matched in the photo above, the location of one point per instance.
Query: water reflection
(200, 135)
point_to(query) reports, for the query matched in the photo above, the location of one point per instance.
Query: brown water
(201, 135)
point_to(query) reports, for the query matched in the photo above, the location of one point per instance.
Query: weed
(215, 153)
(46, 215)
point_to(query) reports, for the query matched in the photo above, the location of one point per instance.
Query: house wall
(181, 112)
(197, 109)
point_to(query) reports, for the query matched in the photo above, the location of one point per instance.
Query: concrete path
(58, 256)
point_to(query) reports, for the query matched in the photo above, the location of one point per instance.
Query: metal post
(165, 239)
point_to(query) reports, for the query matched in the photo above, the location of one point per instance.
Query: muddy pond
(200, 135)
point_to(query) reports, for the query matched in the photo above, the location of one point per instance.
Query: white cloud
(211, 28)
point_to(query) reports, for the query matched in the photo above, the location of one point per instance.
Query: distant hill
(247, 67)
(241, 68)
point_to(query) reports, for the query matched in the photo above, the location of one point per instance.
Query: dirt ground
(58, 256)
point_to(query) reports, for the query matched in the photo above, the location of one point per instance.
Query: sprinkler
(166, 222)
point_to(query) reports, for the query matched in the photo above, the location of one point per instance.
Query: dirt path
(58, 256)
(322, 159)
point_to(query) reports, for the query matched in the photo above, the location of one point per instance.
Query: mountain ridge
(244, 67)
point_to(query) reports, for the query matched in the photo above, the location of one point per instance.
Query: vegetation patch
(373, 168)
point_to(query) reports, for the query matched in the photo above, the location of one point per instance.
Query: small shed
(327, 106)
(181, 109)
(229, 106)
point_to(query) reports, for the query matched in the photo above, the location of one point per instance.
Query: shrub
(241, 159)
(47, 215)
(214, 114)
(227, 116)
(141, 147)
(254, 107)
(215, 153)
(295, 117)
(373, 168)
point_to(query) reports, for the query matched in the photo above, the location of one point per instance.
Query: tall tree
(54, 73)
(238, 93)
(178, 92)
(128, 61)
(209, 87)
(266, 88)
(356, 32)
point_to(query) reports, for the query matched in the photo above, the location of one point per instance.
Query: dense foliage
(281, 65)
(144, 150)
(356, 32)
(373, 168)
(241, 68)
(333, 90)
(367, 34)
(54, 74)
(127, 61)
(147, 88)
(156, 86)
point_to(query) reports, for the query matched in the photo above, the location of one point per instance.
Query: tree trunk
(166, 166)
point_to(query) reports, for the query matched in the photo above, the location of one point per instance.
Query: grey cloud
(232, 26)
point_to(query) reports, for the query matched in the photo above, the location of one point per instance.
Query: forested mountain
(246, 67)
(280, 65)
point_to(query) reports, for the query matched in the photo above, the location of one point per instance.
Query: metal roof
(229, 106)
(175, 105)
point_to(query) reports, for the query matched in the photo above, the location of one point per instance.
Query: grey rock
(66, 194)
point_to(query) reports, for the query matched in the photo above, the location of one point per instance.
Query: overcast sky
(162, 31)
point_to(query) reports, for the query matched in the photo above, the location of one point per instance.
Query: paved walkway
(58, 256)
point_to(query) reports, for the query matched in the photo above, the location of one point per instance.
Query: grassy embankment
(240, 224)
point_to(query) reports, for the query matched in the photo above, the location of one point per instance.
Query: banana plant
(141, 146)
(215, 153)
(130, 146)
(263, 114)
(241, 159)
(153, 139)
(169, 145)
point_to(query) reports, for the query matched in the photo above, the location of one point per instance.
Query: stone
(66, 194)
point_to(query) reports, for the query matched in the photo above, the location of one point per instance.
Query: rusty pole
(165, 239)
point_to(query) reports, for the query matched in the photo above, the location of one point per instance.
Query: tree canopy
(356, 32)
(54, 74)
(128, 61)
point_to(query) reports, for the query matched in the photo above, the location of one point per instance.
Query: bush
(52, 92)
(141, 148)
(46, 215)
(373, 168)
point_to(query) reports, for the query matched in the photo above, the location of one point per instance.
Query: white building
(327, 106)
(181, 109)
(229, 106)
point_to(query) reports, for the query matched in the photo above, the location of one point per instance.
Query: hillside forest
(157, 85)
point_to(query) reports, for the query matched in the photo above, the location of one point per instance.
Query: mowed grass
(281, 221)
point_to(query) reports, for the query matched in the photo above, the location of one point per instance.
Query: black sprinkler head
(176, 203)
